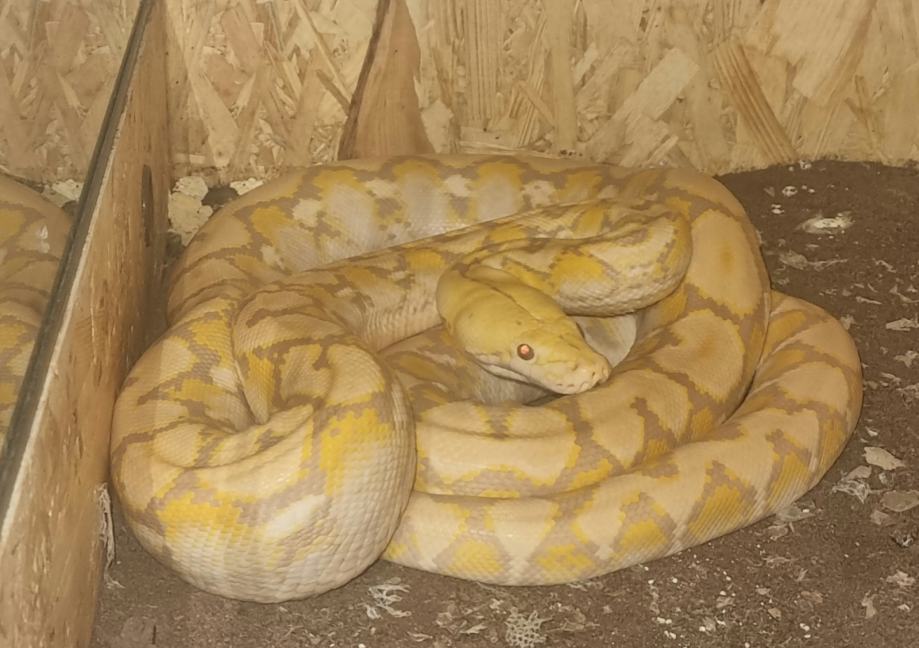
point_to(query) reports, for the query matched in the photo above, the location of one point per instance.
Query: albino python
(33, 232)
(306, 412)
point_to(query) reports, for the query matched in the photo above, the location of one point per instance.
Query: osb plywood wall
(58, 62)
(259, 85)
(720, 85)
(263, 85)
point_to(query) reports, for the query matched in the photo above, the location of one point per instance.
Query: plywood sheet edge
(51, 548)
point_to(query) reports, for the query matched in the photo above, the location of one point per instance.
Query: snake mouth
(563, 378)
(580, 378)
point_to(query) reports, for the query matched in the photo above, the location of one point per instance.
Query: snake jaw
(570, 375)
(584, 376)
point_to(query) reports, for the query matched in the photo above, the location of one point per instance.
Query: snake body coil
(305, 414)
(33, 232)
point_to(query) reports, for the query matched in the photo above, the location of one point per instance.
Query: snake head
(553, 355)
(517, 332)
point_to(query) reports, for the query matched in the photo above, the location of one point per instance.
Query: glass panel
(58, 64)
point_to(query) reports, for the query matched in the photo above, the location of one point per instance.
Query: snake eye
(525, 351)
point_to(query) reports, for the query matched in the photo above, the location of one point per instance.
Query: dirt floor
(838, 569)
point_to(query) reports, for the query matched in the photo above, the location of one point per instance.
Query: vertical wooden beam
(53, 483)
(385, 118)
(558, 29)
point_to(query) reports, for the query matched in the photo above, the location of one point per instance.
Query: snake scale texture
(33, 232)
(370, 358)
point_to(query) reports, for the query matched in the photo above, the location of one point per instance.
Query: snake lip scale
(517, 370)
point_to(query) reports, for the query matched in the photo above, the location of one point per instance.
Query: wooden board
(256, 87)
(721, 86)
(51, 548)
(718, 85)
(384, 118)
(58, 61)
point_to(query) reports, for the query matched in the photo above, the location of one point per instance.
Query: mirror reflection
(58, 63)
